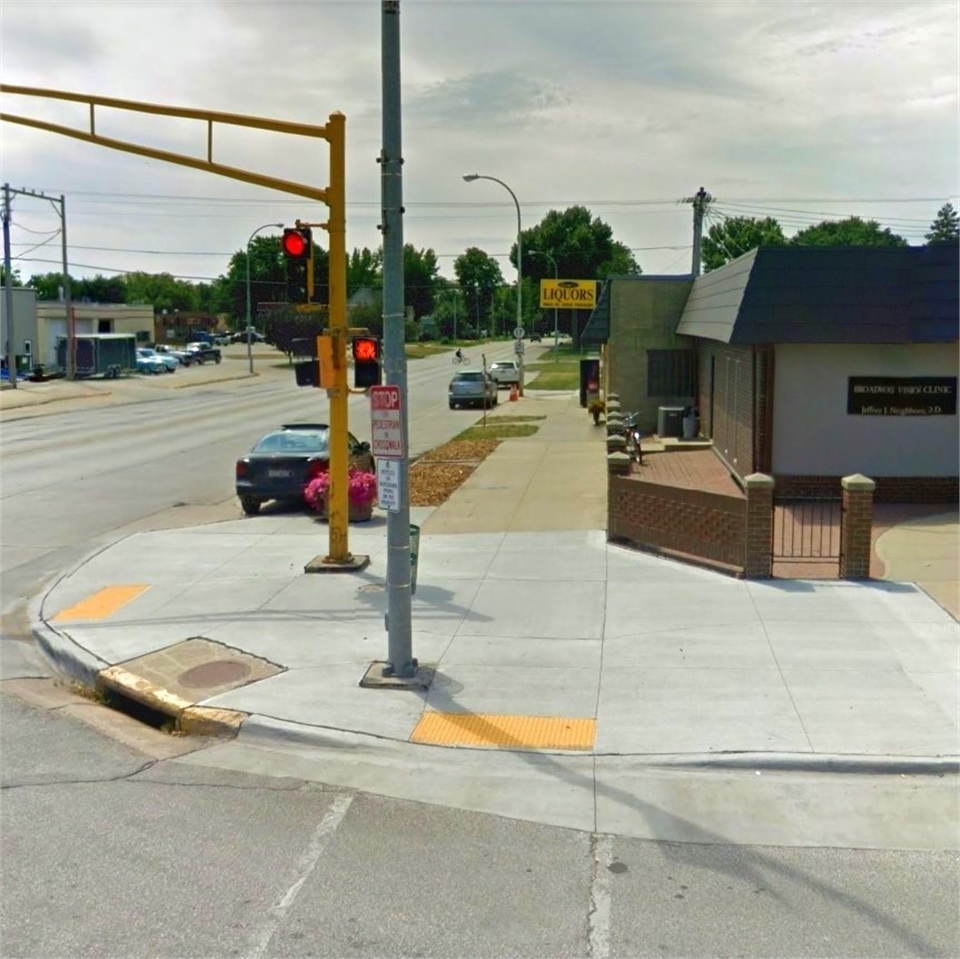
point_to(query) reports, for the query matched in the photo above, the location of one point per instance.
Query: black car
(286, 459)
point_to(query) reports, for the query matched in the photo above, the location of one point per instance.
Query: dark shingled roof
(829, 295)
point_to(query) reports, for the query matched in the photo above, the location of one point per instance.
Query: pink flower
(361, 489)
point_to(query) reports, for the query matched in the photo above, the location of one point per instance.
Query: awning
(597, 330)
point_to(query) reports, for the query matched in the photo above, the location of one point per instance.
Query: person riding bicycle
(459, 355)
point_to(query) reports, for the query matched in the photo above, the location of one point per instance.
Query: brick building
(806, 363)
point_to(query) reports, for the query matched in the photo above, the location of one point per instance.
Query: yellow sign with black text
(568, 294)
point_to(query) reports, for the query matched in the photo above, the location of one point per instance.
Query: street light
(556, 276)
(278, 226)
(470, 177)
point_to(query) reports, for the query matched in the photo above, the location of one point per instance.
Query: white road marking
(321, 836)
(598, 920)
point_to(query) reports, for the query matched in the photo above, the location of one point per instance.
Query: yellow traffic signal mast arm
(208, 116)
(334, 196)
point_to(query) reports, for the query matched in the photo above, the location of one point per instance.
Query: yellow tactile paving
(505, 732)
(101, 604)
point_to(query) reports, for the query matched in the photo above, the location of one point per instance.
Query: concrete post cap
(759, 481)
(858, 482)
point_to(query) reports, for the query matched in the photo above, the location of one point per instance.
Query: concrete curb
(66, 656)
(190, 719)
(261, 730)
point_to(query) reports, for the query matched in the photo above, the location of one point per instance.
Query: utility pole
(400, 662)
(700, 202)
(8, 291)
(67, 301)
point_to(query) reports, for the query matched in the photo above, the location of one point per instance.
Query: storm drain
(163, 689)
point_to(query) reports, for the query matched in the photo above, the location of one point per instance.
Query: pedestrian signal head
(366, 361)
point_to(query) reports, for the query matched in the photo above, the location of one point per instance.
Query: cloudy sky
(800, 110)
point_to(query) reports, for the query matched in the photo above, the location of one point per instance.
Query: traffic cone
(514, 393)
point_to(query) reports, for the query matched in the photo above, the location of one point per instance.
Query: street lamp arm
(470, 177)
(252, 235)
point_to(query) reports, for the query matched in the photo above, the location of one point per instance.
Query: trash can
(690, 423)
(670, 421)
(414, 556)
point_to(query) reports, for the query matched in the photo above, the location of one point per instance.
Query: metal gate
(806, 530)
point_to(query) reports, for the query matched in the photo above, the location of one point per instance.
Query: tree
(420, 273)
(364, 269)
(100, 289)
(477, 275)
(162, 291)
(268, 281)
(849, 232)
(47, 285)
(945, 228)
(14, 276)
(283, 326)
(583, 247)
(737, 235)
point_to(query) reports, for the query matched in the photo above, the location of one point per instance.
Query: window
(104, 326)
(671, 373)
(143, 336)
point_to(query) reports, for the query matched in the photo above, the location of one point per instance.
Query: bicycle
(632, 431)
(457, 360)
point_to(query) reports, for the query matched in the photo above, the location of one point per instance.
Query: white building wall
(814, 436)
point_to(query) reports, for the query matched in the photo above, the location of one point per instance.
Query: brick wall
(644, 313)
(650, 515)
(890, 489)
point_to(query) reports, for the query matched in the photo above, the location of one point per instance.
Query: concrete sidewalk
(582, 684)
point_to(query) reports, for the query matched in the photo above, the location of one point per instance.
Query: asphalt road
(108, 852)
(72, 480)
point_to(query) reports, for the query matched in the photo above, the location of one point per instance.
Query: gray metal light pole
(400, 661)
(278, 226)
(470, 177)
(556, 332)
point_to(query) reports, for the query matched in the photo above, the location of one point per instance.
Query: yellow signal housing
(325, 356)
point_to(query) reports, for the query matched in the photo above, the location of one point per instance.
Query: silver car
(472, 388)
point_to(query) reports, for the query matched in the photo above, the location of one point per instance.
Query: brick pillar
(758, 560)
(618, 464)
(856, 526)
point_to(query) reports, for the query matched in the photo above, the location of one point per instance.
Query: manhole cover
(218, 673)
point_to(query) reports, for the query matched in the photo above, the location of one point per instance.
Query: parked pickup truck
(204, 352)
(505, 373)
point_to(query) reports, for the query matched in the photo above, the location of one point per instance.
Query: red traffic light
(366, 348)
(296, 244)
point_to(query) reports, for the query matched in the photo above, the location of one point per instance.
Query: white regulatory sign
(386, 422)
(388, 485)
(519, 333)
(518, 347)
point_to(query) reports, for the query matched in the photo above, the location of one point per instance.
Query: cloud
(483, 98)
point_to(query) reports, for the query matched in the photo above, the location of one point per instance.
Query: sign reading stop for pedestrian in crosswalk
(386, 422)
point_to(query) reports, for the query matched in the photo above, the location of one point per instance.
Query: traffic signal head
(297, 246)
(366, 361)
(297, 243)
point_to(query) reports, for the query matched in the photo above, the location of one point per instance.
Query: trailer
(101, 354)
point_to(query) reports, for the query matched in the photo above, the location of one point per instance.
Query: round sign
(519, 332)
